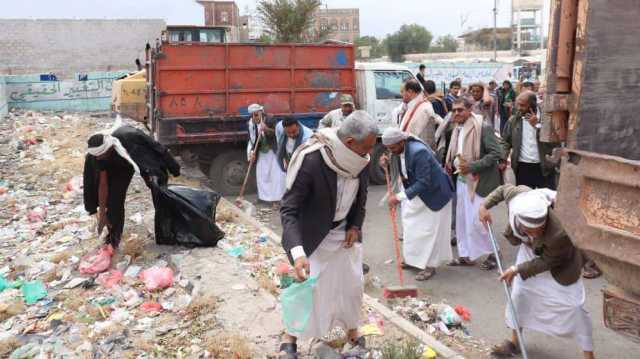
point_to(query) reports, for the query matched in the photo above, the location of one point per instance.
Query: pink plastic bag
(37, 214)
(157, 278)
(97, 262)
(109, 279)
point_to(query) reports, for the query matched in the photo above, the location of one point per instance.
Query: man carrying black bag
(112, 158)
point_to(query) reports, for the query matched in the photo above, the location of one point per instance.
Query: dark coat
(152, 158)
(308, 208)
(487, 166)
(425, 176)
(512, 141)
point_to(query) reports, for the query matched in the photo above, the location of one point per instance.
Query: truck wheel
(227, 172)
(376, 173)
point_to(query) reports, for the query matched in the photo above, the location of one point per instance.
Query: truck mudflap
(599, 205)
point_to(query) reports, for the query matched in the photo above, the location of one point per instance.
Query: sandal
(505, 350)
(425, 275)
(462, 262)
(290, 351)
(591, 272)
(488, 265)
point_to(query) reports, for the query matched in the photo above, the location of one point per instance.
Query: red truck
(198, 94)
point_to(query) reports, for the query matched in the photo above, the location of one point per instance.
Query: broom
(401, 290)
(247, 206)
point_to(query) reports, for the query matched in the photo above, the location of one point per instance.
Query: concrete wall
(28, 92)
(66, 47)
(3, 98)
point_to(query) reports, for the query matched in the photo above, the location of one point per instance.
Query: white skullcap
(531, 208)
(255, 108)
(392, 135)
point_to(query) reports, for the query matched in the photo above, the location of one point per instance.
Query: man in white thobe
(472, 157)
(425, 196)
(334, 118)
(261, 149)
(419, 119)
(322, 215)
(547, 293)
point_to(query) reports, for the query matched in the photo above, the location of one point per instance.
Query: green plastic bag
(297, 304)
(33, 291)
(3, 283)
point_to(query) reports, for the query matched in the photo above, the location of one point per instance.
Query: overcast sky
(377, 17)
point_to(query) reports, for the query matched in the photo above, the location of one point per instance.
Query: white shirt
(403, 171)
(291, 144)
(347, 190)
(460, 149)
(529, 146)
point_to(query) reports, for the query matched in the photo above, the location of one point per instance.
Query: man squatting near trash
(322, 214)
(547, 290)
(113, 156)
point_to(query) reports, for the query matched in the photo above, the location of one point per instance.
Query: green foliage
(408, 349)
(290, 20)
(377, 47)
(445, 44)
(410, 39)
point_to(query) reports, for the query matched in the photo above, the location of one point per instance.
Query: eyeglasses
(456, 110)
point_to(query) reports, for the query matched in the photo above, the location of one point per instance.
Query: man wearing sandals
(473, 155)
(425, 195)
(547, 293)
(322, 214)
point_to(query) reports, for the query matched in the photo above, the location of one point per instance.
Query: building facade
(342, 24)
(222, 14)
(527, 24)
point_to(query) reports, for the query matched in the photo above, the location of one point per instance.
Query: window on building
(356, 24)
(334, 24)
(224, 16)
(324, 24)
(344, 25)
(180, 35)
(388, 84)
(212, 36)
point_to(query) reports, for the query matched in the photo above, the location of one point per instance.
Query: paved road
(480, 290)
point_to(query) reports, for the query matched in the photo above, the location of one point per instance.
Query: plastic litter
(463, 312)
(132, 271)
(97, 262)
(109, 279)
(428, 353)
(157, 278)
(237, 251)
(37, 214)
(33, 291)
(297, 304)
(27, 351)
(151, 307)
(448, 315)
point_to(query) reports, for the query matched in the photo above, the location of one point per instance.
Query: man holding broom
(547, 293)
(425, 196)
(322, 214)
(262, 148)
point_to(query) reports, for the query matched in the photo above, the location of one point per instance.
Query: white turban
(392, 135)
(255, 108)
(530, 208)
(109, 141)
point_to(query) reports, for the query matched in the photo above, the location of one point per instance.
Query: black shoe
(365, 268)
(290, 351)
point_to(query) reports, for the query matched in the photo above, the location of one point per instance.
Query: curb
(406, 326)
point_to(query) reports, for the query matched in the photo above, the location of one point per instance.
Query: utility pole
(495, 30)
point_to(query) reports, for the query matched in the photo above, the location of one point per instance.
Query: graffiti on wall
(58, 90)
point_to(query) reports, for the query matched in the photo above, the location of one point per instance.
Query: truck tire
(376, 173)
(227, 172)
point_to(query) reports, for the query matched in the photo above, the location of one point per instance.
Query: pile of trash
(440, 320)
(62, 292)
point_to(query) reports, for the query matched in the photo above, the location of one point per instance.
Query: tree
(410, 39)
(445, 44)
(290, 20)
(377, 47)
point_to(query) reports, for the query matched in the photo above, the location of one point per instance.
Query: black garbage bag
(185, 216)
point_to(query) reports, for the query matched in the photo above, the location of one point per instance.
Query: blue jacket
(426, 177)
